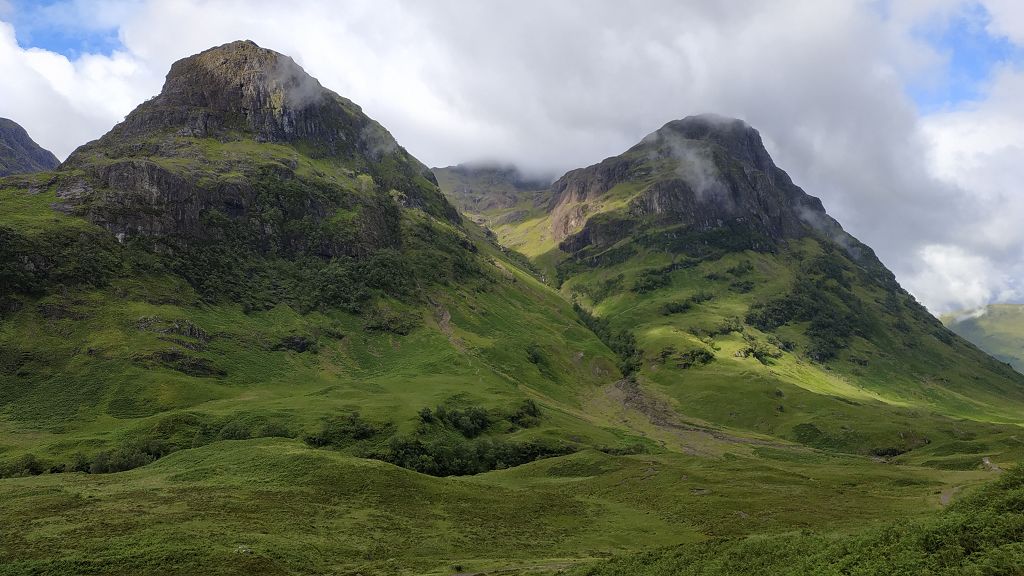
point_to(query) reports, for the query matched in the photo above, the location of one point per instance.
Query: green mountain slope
(998, 330)
(244, 332)
(19, 154)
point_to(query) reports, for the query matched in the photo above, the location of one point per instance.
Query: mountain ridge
(19, 154)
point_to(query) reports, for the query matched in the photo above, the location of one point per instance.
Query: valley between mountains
(247, 332)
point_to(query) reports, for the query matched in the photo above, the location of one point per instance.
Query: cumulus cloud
(952, 278)
(556, 85)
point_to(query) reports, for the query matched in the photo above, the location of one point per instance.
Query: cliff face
(242, 134)
(19, 154)
(702, 172)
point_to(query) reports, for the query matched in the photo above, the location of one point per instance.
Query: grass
(978, 535)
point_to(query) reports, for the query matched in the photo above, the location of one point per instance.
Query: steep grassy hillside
(998, 329)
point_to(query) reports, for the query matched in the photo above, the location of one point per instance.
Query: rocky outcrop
(19, 154)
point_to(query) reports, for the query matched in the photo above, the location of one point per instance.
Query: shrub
(695, 357)
(344, 430)
(453, 456)
(621, 342)
(470, 421)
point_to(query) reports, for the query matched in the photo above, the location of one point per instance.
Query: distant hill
(493, 194)
(19, 154)
(997, 329)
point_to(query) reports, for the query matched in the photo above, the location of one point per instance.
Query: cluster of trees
(686, 359)
(144, 445)
(823, 296)
(654, 278)
(346, 429)
(455, 456)
(452, 439)
(680, 306)
(31, 264)
(622, 342)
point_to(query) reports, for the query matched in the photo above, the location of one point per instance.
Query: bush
(340, 431)
(24, 465)
(120, 459)
(669, 308)
(470, 421)
(453, 456)
(526, 415)
(621, 342)
(695, 357)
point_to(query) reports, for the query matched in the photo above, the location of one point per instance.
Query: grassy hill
(998, 329)
(244, 332)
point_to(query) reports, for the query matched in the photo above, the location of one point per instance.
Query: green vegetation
(979, 534)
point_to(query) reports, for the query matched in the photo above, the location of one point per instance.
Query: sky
(905, 117)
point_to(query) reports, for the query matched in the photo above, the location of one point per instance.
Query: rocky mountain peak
(703, 172)
(740, 140)
(19, 154)
(242, 88)
(234, 126)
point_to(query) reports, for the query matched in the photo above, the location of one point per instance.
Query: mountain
(19, 154)
(492, 193)
(245, 332)
(729, 290)
(998, 329)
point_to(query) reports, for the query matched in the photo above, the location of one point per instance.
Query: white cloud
(953, 279)
(556, 85)
(1007, 19)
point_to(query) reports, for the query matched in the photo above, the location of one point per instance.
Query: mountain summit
(191, 151)
(703, 172)
(19, 154)
(243, 87)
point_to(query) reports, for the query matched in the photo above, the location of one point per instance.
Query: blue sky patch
(972, 56)
(68, 27)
